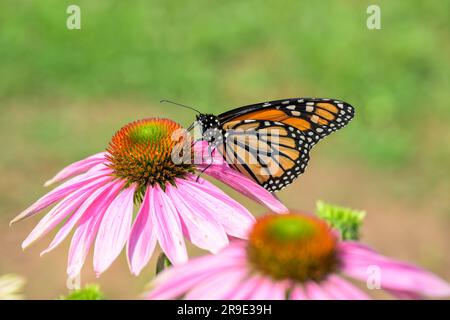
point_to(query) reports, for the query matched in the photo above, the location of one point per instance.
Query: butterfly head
(210, 127)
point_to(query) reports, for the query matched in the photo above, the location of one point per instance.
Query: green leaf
(162, 263)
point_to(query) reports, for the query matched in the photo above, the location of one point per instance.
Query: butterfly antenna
(191, 126)
(180, 105)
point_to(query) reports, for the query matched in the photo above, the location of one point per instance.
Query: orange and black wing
(270, 142)
(315, 117)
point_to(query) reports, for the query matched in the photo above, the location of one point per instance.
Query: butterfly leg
(210, 151)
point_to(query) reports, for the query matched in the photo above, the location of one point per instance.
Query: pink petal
(91, 204)
(59, 193)
(142, 241)
(341, 289)
(298, 293)
(219, 286)
(85, 233)
(235, 219)
(268, 289)
(246, 186)
(63, 209)
(245, 289)
(203, 231)
(394, 275)
(405, 295)
(114, 230)
(176, 281)
(168, 227)
(77, 168)
(315, 291)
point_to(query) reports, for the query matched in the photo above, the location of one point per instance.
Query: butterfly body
(270, 142)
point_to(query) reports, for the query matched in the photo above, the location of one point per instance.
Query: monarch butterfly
(270, 141)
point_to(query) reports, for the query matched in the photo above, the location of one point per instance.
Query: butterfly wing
(269, 152)
(270, 142)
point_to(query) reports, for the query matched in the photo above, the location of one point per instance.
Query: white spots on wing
(309, 108)
(296, 113)
(315, 118)
(291, 107)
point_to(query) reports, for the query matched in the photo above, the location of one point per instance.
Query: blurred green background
(63, 93)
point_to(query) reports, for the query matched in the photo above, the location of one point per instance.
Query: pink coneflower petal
(203, 230)
(77, 168)
(60, 192)
(245, 289)
(172, 283)
(114, 230)
(62, 210)
(405, 295)
(394, 275)
(342, 289)
(298, 293)
(85, 233)
(217, 287)
(168, 227)
(337, 288)
(246, 186)
(268, 289)
(142, 241)
(315, 291)
(235, 218)
(89, 206)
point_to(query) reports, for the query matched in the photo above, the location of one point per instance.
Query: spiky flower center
(143, 152)
(292, 246)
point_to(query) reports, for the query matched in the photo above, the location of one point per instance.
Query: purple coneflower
(293, 256)
(138, 169)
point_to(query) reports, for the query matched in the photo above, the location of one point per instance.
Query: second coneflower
(294, 256)
(138, 168)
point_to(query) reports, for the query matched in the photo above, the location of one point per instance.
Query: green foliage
(89, 292)
(347, 221)
(216, 54)
(162, 263)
